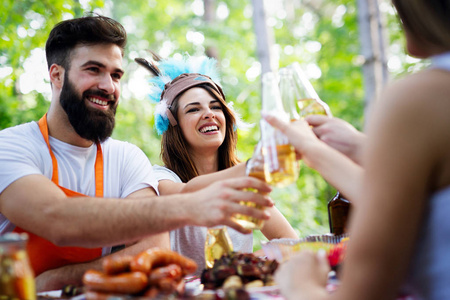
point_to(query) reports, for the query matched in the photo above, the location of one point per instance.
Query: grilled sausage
(156, 257)
(171, 271)
(125, 283)
(115, 264)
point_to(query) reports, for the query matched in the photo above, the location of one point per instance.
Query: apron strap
(43, 127)
(99, 172)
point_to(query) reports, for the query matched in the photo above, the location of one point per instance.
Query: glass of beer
(217, 243)
(308, 101)
(255, 168)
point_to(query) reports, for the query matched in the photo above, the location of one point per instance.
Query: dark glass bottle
(338, 212)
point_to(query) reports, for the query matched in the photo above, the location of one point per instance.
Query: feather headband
(174, 76)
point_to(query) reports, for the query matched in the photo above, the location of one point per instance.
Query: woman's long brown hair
(174, 149)
(428, 20)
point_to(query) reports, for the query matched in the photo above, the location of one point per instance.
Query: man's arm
(37, 205)
(72, 274)
(155, 240)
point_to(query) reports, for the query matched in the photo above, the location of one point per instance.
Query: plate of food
(282, 249)
(153, 274)
(163, 274)
(240, 276)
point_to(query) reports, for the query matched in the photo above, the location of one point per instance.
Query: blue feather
(173, 68)
(161, 123)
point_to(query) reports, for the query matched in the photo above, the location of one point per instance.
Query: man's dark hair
(89, 30)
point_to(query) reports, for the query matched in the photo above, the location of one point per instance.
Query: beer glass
(217, 243)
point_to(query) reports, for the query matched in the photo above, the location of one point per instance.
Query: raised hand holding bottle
(308, 101)
(279, 155)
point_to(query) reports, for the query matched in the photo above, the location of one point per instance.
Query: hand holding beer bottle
(254, 168)
(279, 156)
(274, 159)
(307, 99)
(218, 241)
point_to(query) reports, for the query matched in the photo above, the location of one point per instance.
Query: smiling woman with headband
(198, 146)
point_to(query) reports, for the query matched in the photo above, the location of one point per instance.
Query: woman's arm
(405, 139)
(168, 186)
(277, 226)
(339, 135)
(339, 170)
(403, 154)
(204, 180)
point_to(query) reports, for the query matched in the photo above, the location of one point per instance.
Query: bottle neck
(287, 92)
(339, 197)
(271, 98)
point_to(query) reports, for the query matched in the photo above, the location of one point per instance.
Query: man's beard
(91, 124)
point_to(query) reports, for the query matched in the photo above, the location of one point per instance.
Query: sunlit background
(322, 35)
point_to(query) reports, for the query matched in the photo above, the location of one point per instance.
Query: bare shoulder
(424, 95)
(416, 110)
(427, 86)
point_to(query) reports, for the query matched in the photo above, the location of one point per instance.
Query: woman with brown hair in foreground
(398, 231)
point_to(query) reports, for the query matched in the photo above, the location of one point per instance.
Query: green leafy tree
(323, 38)
(25, 26)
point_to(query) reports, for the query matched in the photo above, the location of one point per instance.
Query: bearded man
(54, 172)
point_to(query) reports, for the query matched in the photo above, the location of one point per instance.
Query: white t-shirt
(23, 152)
(190, 240)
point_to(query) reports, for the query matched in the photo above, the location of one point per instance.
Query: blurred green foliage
(323, 38)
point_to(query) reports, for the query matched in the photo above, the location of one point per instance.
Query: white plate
(271, 289)
(50, 293)
(57, 294)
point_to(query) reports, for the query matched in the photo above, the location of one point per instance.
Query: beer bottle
(338, 212)
(288, 96)
(308, 101)
(279, 155)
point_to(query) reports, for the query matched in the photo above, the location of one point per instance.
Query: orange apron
(45, 255)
